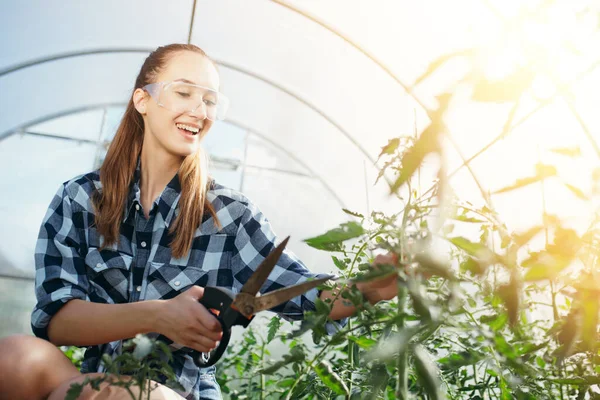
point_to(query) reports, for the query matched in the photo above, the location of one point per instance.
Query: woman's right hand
(187, 322)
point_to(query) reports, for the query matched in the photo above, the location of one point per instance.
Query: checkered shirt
(70, 265)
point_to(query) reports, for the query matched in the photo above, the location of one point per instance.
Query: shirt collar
(167, 201)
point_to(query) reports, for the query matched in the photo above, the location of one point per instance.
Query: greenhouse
(463, 138)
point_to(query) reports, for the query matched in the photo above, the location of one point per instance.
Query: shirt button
(143, 244)
(99, 265)
(137, 207)
(138, 288)
(177, 283)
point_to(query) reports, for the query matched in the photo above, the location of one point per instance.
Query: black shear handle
(215, 298)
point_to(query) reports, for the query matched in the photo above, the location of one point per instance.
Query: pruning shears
(232, 309)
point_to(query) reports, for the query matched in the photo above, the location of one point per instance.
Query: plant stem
(401, 364)
(262, 376)
(351, 345)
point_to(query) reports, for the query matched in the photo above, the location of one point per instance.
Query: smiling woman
(129, 248)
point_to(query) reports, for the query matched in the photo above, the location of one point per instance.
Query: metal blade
(258, 278)
(276, 297)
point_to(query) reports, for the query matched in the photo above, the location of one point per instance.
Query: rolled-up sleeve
(255, 239)
(60, 271)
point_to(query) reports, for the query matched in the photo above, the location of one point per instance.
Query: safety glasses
(183, 97)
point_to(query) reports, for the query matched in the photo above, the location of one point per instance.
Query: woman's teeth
(188, 128)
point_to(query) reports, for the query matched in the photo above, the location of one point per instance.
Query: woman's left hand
(383, 288)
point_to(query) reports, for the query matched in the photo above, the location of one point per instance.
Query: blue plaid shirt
(70, 265)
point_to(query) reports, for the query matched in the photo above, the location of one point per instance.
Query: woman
(128, 249)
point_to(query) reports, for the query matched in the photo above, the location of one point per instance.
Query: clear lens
(184, 97)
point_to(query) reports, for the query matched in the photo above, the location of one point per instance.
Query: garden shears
(239, 309)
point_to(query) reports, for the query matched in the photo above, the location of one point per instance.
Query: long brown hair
(118, 168)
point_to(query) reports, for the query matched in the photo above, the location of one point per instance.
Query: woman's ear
(140, 99)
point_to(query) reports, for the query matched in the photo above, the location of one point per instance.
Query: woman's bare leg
(31, 368)
(108, 392)
(35, 369)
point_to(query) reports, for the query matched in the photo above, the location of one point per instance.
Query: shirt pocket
(108, 274)
(166, 281)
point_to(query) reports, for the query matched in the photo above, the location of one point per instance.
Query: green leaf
(331, 240)
(341, 265)
(393, 345)
(354, 214)
(543, 172)
(462, 359)
(322, 307)
(505, 392)
(569, 334)
(473, 249)
(540, 272)
(273, 326)
(428, 142)
(589, 318)
(464, 218)
(547, 264)
(576, 191)
(511, 295)
(428, 373)
(414, 156)
(382, 271)
(331, 379)
(74, 391)
(287, 382)
(296, 354)
(390, 148)
(568, 151)
(434, 266)
(473, 266)
(507, 89)
(524, 238)
(363, 342)
(438, 62)
(540, 362)
(585, 380)
(497, 322)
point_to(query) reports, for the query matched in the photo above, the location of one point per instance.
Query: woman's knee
(109, 392)
(32, 367)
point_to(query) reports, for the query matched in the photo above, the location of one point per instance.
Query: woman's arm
(64, 313)
(373, 291)
(82, 323)
(182, 319)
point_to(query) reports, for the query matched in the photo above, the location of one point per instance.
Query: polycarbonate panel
(71, 84)
(311, 62)
(301, 131)
(516, 156)
(406, 36)
(225, 141)
(16, 302)
(85, 125)
(295, 206)
(264, 154)
(42, 28)
(33, 170)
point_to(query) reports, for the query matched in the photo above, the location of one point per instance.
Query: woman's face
(163, 127)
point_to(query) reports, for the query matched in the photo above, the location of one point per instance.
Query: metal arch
(49, 117)
(408, 90)
(189, 40)
(225, 64)
(356, 46)
(290, 155)
(238, 124)
(381, 65)
(61, 56)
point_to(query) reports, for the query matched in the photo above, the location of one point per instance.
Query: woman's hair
(118, 168)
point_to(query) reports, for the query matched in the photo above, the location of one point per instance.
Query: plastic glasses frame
(154, 90)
